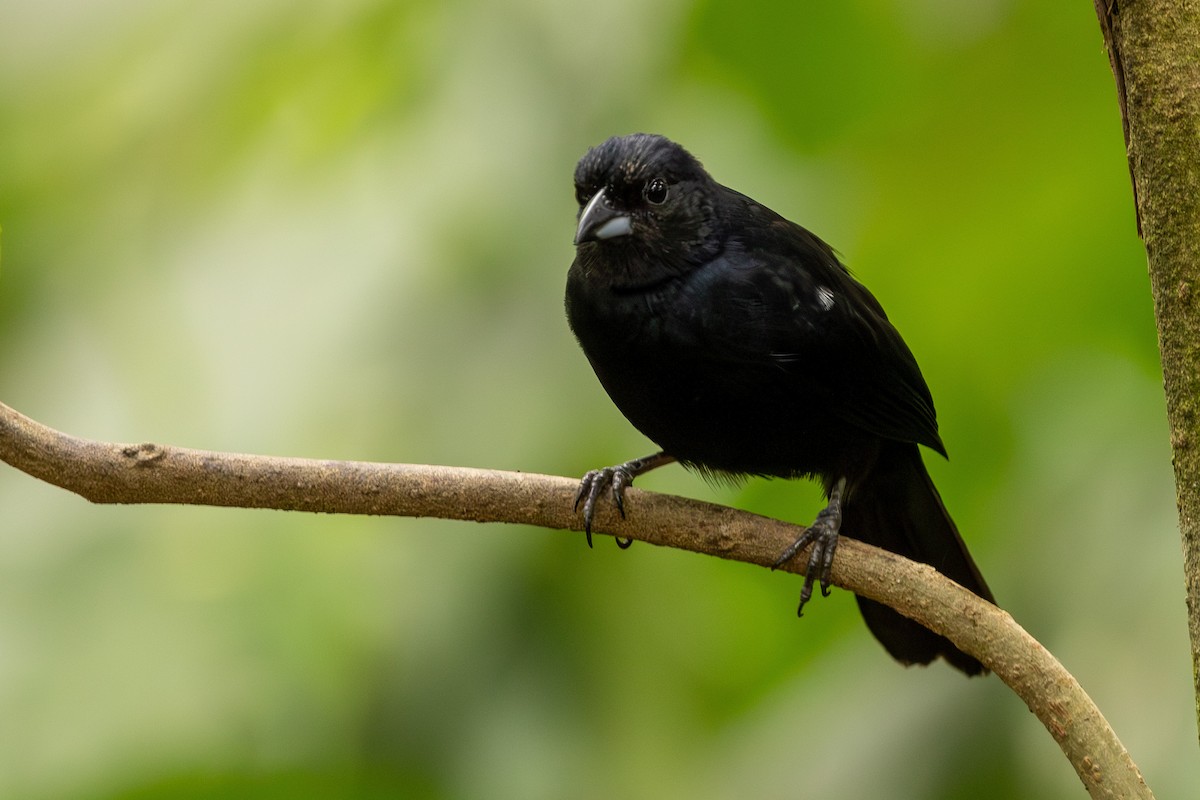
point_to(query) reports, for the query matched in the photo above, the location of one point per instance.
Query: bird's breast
(683, 389)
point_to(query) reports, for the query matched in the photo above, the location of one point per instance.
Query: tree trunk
(1154, 48)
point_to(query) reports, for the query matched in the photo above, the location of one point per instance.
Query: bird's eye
(655, 191)
(582, 195)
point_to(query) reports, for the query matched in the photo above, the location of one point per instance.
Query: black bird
(739, 343)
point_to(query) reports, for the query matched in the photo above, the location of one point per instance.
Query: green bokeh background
(341, 229)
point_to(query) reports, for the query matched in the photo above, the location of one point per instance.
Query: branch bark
(1154, 50)
(105, 472)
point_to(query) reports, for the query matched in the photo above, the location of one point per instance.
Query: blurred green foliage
(341, 230)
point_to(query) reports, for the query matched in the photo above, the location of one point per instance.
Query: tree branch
(105, 472)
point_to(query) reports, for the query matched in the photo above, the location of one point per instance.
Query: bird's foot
(616, 480)
(823, 536)
(593, 484)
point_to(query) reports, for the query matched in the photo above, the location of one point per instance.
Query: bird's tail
(898, 508)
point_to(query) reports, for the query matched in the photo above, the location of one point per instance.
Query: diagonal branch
(105, 472)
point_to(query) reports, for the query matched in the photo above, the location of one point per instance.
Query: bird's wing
(823, 330)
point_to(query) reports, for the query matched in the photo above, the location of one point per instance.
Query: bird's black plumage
(738, 342)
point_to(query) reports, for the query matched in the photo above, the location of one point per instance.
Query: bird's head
(645, 203)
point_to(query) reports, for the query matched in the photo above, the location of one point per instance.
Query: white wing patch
(825, 297)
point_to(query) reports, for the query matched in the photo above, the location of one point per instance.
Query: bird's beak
(599, 220)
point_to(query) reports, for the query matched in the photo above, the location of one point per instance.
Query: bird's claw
(823, 535)
(616, 479)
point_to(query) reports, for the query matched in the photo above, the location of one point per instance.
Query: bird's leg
(823, 534)
(617, 479)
